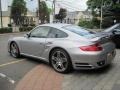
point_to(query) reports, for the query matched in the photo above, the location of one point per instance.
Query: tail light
(94, 47)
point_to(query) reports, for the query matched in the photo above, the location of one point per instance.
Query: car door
(55, 35)
(34, 44)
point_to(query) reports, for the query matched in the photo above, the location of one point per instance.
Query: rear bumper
(93, 61)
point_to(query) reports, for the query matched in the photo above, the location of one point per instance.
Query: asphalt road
(12, 70)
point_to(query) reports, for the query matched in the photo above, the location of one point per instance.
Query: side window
(55, 33)
(40, 32)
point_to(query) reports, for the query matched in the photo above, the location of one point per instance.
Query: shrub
(5, 30)
(25, 29)
(32, 25)
(9, 25)
(25, 25)
(86, 24)
(93, 24)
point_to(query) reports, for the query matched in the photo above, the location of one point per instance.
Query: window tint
(55, 33)
(40, 32)
(80, 31)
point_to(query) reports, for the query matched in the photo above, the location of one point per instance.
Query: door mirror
(27, 35)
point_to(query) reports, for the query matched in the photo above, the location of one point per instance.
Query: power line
(64, 6)
(68, 6)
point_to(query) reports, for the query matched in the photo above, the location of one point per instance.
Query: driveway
(29, 74)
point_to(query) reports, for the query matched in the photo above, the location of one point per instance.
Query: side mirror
(27, 35)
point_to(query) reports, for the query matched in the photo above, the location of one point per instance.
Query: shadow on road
(89, 72)
(95, 71)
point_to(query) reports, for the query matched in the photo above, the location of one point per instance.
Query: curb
(12, 33)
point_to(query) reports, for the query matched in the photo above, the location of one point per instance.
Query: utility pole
(54, 5)
(1, 14)
(39, 10)
(101, 19)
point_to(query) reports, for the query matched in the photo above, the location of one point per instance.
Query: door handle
(49, 43)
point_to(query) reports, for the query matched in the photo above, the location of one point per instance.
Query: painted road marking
(9, 63)
(8, 78)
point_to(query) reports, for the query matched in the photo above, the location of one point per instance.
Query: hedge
(5, 30)
(25, 29)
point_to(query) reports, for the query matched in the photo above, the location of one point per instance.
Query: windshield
(80, 31)
(116, 26)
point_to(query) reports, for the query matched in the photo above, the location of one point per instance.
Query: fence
(34, 20)
(68, 21)
(28, 21)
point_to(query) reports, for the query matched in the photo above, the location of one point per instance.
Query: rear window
(80, 31)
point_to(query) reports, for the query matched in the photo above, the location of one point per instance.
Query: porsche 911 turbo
(64, 46)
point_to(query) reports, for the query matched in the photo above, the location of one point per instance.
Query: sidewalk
(42, 77)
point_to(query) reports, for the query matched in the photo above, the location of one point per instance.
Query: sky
(70, 5)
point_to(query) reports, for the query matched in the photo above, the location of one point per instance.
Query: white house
(6, 17)
(79, 15)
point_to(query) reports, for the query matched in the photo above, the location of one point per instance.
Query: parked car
(114, 31)
(64, 46)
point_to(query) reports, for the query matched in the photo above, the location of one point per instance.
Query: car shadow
(102, 70)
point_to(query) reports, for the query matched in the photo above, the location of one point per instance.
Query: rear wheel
(14, 50)
(60, 61)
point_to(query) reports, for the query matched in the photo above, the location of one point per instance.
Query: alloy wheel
(59, 61)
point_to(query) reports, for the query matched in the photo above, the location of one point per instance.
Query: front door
(35, 43)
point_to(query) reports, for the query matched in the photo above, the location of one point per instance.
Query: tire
(60, 61)
(14, 50)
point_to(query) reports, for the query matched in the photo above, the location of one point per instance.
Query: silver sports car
(64, 46)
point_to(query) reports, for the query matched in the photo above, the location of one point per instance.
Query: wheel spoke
(56, 65)
(14, 50)
(58, 54)
(54, 58)
(12, 47)
(62, 66)
(64, 60)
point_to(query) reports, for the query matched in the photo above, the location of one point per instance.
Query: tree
(62, 14)
(111, 10)
(44, 12)
(18, 9)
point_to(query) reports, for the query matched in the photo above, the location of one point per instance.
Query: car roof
(56, 25)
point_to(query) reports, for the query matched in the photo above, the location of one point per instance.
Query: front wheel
(60, 61)
(14, 50)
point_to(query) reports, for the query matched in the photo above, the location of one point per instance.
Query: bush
(5, 30)
(25, 29)
(25, 25)
(9, 25)
(86, 24)
(32, 25)
(93, 24)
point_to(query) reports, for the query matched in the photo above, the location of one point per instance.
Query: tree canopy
(111, 10)
(44, 12)
(18, 9)
(62, 14)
